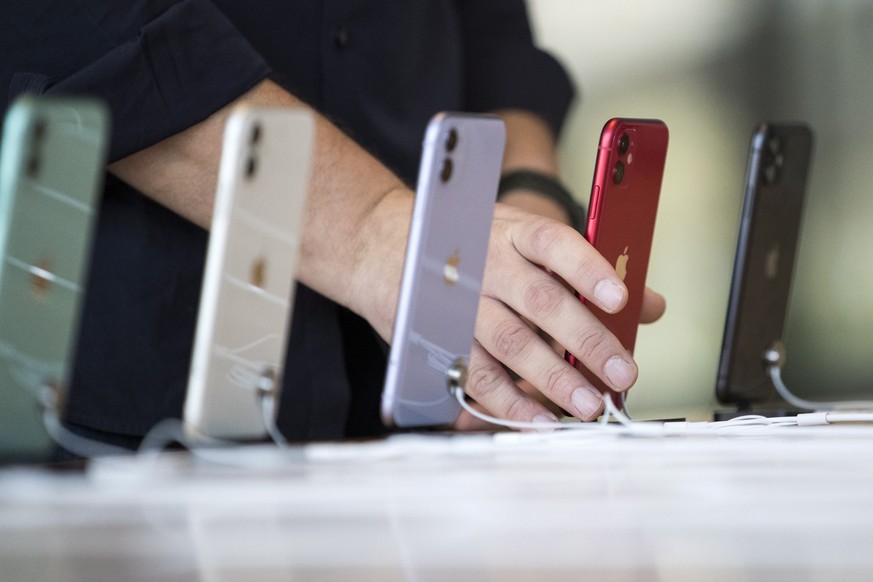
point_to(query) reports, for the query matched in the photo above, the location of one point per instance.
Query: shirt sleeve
(179, 68)
(503, 66)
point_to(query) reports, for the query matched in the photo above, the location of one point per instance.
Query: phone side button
(595, 202)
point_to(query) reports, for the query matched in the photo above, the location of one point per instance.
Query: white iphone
(248, 283)
(445, 261)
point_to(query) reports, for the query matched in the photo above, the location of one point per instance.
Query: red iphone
(621, 217)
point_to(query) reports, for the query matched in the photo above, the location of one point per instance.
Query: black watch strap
(547, 186)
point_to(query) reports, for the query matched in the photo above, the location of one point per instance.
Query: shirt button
(341, 36)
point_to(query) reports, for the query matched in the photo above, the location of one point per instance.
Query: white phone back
(445, 262)
(248, 284)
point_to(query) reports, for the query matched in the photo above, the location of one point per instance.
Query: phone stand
(456, 375)
(774, 357)
(266, 387)
(266, 383)
(773, 360)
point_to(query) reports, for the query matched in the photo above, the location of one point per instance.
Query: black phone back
(775, 189)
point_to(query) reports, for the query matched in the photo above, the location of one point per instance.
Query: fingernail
(586, 401)
(608, 295)
(620, 373)
(544, 419)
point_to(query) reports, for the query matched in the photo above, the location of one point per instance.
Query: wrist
(536, 203)
(527, 182)
(380, 245)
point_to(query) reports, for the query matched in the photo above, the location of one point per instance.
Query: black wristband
(547, 186)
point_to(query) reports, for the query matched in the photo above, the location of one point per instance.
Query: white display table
(794, 505)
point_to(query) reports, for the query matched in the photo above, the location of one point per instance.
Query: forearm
(347, 185)
(530, 145)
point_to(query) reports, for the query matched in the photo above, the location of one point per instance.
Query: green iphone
(52, 164)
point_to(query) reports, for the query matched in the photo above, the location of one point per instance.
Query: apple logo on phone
(41, 277)
(258, 273)
(621, 264)
(450, 269)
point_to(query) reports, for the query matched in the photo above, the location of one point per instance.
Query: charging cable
(747, 425)
(774, 358)
(160, 436)
(267, 389)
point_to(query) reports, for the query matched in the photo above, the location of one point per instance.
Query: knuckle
(511, 339)
(521, 408)
(586, 266)
(545, 236)
(590, 344)
(554, 379)
(498, 262)
(485, 380)
(543, 298)
(494, 252)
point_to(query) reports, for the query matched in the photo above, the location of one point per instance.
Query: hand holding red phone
(598, 333)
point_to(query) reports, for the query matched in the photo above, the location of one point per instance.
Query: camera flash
(630, 159)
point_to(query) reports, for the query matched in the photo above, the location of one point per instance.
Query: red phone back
(621, 215)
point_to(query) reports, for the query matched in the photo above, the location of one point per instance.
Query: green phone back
(52, 162)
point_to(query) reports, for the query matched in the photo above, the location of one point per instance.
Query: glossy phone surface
(775, 190)
(445, 261)
(248, 283)
(621, 217)
(51, 175)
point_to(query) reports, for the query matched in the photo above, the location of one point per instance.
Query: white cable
(849, 417)
(775, 373)
(624, 425)
(268, 411)
(156, 440)
(214, 451)
(751, 425)
(458, 393)
(172, 430)
(162, 435)
(77, 444)
(831, 417)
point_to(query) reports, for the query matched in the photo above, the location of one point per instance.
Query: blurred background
(713, 70)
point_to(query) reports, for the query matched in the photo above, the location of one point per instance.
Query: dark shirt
(379, 69)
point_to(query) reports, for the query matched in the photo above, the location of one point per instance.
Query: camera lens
(446, 170)
(451, 140)
(33, 166)
(251, 167)
(773, 166)
(779, 159)
(39, 130)
(256, 134)
(618, 173)
(623, 144)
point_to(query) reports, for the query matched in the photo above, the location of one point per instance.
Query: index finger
(565, 252)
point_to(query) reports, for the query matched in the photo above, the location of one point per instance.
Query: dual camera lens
(450, 144)
(33, 162)
(623, 147)
(773, 161)
(623, 144)
(252, 161)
